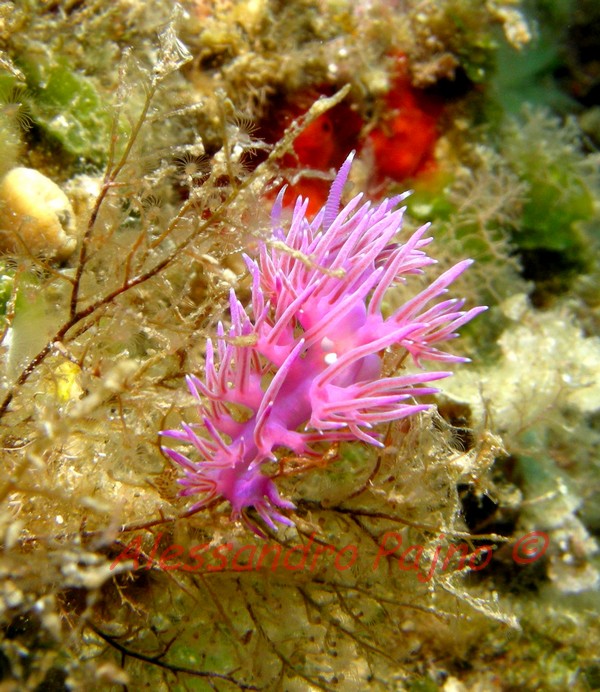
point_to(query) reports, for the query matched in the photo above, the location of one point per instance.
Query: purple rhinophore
(303, 365)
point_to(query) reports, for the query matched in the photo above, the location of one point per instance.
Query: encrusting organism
(304, 364)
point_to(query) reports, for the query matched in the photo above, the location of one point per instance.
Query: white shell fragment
(35, 215)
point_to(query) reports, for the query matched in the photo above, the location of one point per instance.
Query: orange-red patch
(403, 141)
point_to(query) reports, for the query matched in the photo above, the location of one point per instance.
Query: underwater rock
(35, 215)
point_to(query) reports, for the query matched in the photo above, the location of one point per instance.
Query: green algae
(69, 109)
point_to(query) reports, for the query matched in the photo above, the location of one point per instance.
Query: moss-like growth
(14, 121)
(561, 181)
